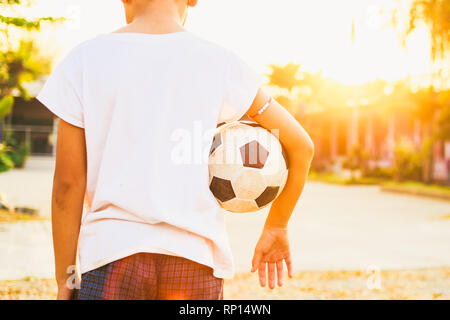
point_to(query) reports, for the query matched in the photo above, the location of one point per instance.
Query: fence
(41, 139)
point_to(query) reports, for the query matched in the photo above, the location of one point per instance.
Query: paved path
(336, 227)
(333, 227)
(31, 186)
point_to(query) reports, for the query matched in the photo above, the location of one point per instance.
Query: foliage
(19, 66)
(358, 159)
(381, 173)
(324, 94)
(417, 188)
(284, 76)
(20, 62)
(407, 162)
(3, 2)
(332, 178)
(6, 162)
(435, 16)
(6, 104)
(21, 154)
(24, 23)
(427, 103)
(443, 120)
(18, 151)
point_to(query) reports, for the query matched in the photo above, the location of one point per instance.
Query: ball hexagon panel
(274, 164)
(236, 135)
(249, 185)
(222, 189)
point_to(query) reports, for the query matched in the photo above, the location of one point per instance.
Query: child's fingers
(271, 275)
(262, 274)
(256, 261)
(289, 266)
(280, 272)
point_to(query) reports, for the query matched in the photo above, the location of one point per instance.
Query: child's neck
(161, 20)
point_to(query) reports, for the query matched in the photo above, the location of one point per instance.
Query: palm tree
(435, 15)
(284, 77)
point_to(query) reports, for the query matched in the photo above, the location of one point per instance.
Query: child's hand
(272, 248)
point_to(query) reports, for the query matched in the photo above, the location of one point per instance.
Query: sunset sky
(316, 34)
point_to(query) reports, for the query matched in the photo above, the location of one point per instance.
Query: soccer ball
(247, 167)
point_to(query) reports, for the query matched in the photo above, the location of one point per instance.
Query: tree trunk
(427, 172)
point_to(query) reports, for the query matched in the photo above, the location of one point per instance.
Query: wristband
(264, 107)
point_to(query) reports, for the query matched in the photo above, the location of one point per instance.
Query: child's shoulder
(214, 48)
(77, 51)
(101, 45)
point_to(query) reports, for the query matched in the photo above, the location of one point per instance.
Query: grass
(417, 188)
(8, 216)
(340, 180)
(411, 187)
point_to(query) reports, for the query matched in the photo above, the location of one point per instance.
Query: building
(30, 121)
(377, 131)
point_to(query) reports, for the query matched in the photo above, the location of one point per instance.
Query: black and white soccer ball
(247, 167)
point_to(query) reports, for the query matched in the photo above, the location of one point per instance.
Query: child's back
(149, 104)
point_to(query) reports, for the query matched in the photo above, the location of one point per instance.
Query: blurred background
(368, 79)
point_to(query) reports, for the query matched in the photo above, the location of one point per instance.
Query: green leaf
(10, 2)
(27, 24)
(6, 104)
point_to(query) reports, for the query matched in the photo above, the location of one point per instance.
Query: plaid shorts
(150, 276)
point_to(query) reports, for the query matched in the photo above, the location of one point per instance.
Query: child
(152, 229)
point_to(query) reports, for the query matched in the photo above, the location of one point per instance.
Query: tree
(444, 116)
(284, 77)
(20, 61)
(435, 15)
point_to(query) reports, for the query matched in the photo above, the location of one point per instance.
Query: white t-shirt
(149, 104)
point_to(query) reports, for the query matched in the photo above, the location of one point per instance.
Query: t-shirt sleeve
(61, 93)
(241, 86)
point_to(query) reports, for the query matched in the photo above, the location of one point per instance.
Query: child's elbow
(304, 146)
(309, 147)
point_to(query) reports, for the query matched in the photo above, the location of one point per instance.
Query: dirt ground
(433, 283)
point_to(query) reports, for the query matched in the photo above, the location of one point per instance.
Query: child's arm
(69, 183)
(273, 245)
